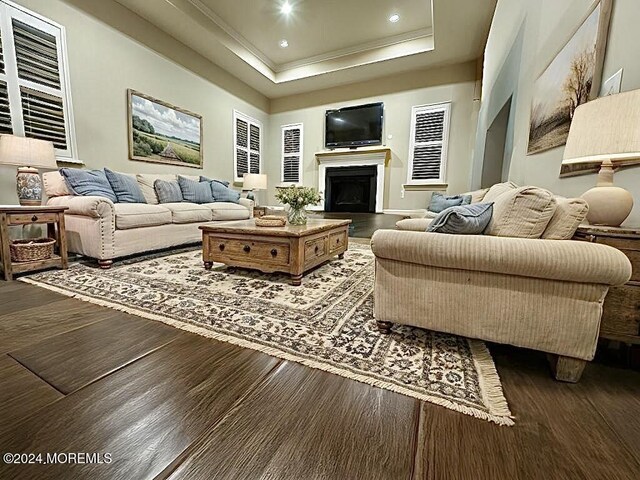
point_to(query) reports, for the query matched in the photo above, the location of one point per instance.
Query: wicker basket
(31, 250)
(271, 221)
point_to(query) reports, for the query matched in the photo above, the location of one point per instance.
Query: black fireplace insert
(351, 189)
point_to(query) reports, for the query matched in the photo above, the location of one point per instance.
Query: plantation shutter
(247, 145)
(292, 153)
(428, 143)
(33, 87)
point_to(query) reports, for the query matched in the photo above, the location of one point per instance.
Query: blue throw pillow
(195, 192)
(463, 219)
(88, 183)
(168, 191)
(125, 187)
(222, 193)
(440, 202)
(207, 179)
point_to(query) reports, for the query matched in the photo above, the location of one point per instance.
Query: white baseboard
(417, 213)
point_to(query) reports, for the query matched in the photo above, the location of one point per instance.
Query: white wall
(525, 36)
(399, 93)
(103, 64)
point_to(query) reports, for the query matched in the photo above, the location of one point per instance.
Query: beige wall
(524, 38)
(103, 63)
(399, 94)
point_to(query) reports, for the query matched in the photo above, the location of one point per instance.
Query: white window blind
(247, 145)
(34, 93)
(292, 153)
(428, 143)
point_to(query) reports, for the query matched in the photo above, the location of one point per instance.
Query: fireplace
(351, 189)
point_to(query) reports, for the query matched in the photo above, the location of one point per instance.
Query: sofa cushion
(168, 191)
(569, 214)
(497, 190)
(147, 182)
(55, 185)
(125, 186)
(463, 219)
(440, 202)
(222, 193)
(186, 212)
(414, 224)
(477, 196)
(228, 211)
(195, 191)
(135, 215)
(88, 183)
(523, 212)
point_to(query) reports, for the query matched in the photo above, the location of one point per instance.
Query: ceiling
(331, 42)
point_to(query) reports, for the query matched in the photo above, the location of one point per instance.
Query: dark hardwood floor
(164, 403)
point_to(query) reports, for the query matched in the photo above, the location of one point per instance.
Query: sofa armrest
(566, 260)
(249, 204)
(96, 207)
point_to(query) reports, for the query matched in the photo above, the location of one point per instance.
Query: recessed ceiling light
(394, 18)
(286, 8)
(284, 43)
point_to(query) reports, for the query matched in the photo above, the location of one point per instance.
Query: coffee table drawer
(315, 249)
(223, 249)
(337, 241)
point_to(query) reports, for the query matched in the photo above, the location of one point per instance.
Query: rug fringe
(489, 379)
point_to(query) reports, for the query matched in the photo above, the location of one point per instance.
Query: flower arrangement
(297, 198)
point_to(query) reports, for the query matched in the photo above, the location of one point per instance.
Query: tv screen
(354, 126)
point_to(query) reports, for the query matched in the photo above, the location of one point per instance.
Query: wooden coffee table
(292, 249)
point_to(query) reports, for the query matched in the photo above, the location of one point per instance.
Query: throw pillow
(569, 214)
(207, 179)
(168, 191)
(195, 191)
(147, 185)
(88, 183)
(498, 189)
(222, 193)
(522, 212)
(440, 202)
(463, 219)
(125, 187)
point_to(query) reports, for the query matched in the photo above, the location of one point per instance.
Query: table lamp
(254, 182)
(28, 154)
(606, 130)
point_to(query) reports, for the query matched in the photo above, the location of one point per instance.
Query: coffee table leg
(341, 256)
(208, 265)
(296, 280)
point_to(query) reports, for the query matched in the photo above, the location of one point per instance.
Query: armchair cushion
(522, 212)
(569, 214)
(463, 219)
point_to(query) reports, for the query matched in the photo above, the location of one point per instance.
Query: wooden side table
(621, 310)
(14, 215)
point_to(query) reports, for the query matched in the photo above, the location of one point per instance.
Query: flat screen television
(354, 126)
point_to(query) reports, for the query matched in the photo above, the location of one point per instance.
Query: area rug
(327, 323)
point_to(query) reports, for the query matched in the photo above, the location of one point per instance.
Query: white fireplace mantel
(353, 158)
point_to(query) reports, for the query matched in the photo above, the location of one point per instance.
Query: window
(292, 153)
(428, 144)
(34, 86)
(247, 145)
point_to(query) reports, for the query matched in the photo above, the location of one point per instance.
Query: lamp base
(608, 206)
(29, 187)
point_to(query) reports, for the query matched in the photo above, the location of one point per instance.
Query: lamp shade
(254, 181)
(26, 152)
(607, 128)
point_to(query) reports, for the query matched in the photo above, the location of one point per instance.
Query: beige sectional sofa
(531, 286)
(98, 228)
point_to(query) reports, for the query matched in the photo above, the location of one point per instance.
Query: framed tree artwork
(571, 79)
(162, 133)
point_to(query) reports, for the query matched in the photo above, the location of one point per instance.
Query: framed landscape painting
(571, 79)
(162, 133)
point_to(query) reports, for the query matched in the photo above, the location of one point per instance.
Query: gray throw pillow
(88, 183)
(168, 191)
(463, 219)
(222, 193)
(440, 202)
(195, 192)
(207, 179)
(125, 187)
